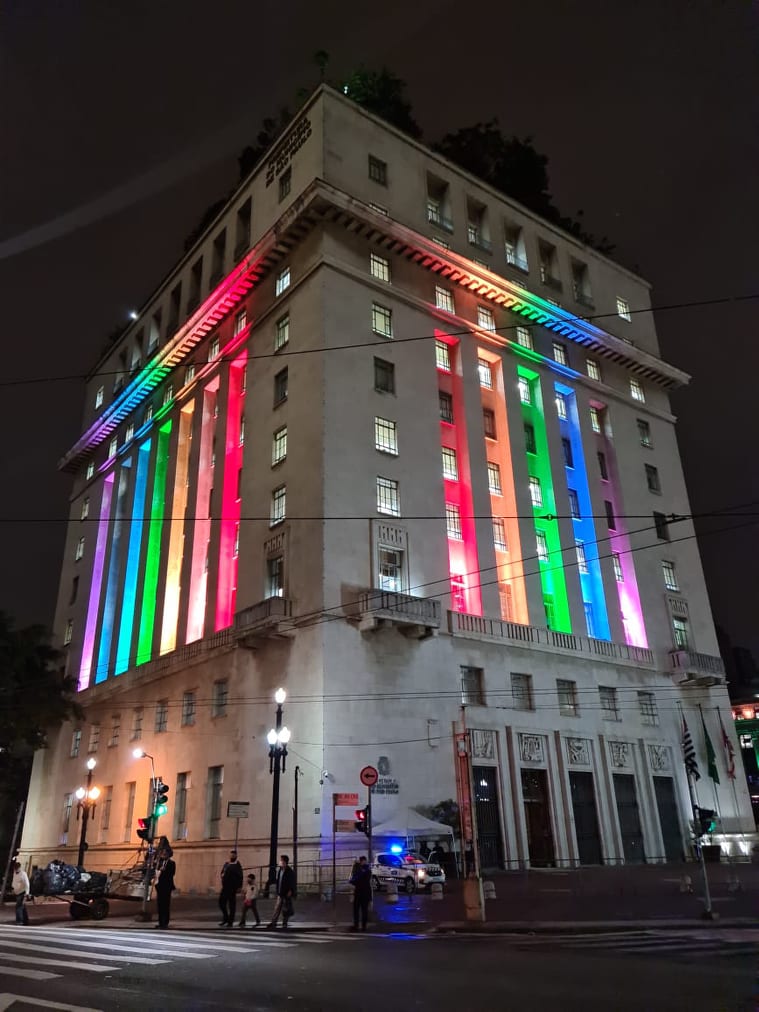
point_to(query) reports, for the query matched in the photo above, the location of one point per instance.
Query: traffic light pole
(369, 824)
(708, 913)
(145, 914)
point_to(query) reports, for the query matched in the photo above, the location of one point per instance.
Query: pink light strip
(230, 509)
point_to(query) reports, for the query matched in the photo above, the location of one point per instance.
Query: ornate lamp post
(277, 738)
(85, 803)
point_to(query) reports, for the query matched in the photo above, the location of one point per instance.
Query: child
(249, 901)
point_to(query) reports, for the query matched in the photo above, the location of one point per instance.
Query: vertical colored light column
(96, 584)
(153, 551)
(230, 507)
(551, 566)
(591, 582)
(114, 577)
(176, 537)
(131, 577)
(196, 612)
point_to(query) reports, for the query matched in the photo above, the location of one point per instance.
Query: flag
(689, 754)
(729, 751)
(711, 758)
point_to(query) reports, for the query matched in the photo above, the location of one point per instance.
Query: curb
(587, 927)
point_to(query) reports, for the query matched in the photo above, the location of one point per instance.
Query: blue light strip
(114, 572)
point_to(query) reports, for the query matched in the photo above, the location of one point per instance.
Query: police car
(407, 871)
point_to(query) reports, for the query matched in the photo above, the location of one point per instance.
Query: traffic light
(146, 828)
(362, 820)
(161, 799)
(706, 821)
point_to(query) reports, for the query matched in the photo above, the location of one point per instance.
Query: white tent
(412, 824)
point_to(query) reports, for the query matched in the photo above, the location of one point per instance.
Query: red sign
(369, 776)
(344, 799)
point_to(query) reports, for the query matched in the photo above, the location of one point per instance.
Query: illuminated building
(390, 440)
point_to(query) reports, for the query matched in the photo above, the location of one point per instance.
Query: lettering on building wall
(283, 155)
(386, 784)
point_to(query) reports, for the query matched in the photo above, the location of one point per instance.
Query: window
(581, 283)
(161, 716)
(385, 435)
(453, 521)
(74, 590)
(541, 542)
(131, 790)
(549, 271)
(94, 741)
(278, 505)
(652, 478)
(525, 394)
(76, 743)
(105, 819)
(648, 711)
(529, 438)
(488, 421)
(115, 730)
(582, 560)
(450, 464)
(472, 689)
(446, 407)
(593, 368)
(662, 526)
(285, 183)
(390, 569)
(636, 390)
(499, 535)
(280, 387)
(644, 433)
(241, 434)
(113, 447)
(241, 321)
(561, 407)
(384, 376)
(283, 281)
(377, 170)
(680, 631)
(536, 492)
(90, 470)
(485, 372)
(180, 806)
(68, 804)
(388, 497)
(611, 520)
(279, 446)
(609, 708)
(670, 577)
(595, 420)
(604, 471)
(623, 309)
(438, 204)
(275, 576)
(485, 318)
(219, 698)
(616, 562)
(282, 332)
(148, 412)
(566, 451)
(99, 395)
(379, 267)
(382, 320)
(574, 504)
(189, 707)
(215, 788)
(444, 299)
(514, 247)
(137, 715)
(567, 693)
(521, 692)
(494, 479)
(129, 433)
(213, 351)
(85, 510)
(68, 632)
(79, 552)
(560, 353)
(442, 356)
(524, 337)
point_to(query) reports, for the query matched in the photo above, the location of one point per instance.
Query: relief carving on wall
(483, 744)
(658, 756)
(620, 753)
(531, 748)
(578, 750)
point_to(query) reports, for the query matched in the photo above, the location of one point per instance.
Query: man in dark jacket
(361, 880)
(164, 886)
(231, 884)
(285, 891)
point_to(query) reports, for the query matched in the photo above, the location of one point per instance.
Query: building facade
(389, 440)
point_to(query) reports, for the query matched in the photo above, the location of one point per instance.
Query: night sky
(121, 122)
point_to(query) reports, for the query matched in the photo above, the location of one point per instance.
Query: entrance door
(629, 818)
(488, 817)
(586, 818)
(537, 815)
(664, 788)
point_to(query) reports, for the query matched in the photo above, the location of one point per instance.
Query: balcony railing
(689, 662)
(436, 217)
(477, 239)
(515, 260)
(262, 616)
(420, 614)
(549, 279)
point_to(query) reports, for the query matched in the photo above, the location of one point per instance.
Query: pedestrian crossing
(671, 944)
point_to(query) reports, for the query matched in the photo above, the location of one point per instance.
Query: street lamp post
(86, 798)
(277, 738)
(140, 753)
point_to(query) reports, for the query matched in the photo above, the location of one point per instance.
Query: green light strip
(153, 554)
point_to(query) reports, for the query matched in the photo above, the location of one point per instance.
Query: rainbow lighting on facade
(153, 551)
(229, 536)
(131, 578)
(96, 584)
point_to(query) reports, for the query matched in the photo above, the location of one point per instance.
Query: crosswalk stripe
(111, 946)
(16, 971)
(63, 951)
(67, 963)
(166, 940)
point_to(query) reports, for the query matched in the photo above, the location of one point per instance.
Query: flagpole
(708, 913)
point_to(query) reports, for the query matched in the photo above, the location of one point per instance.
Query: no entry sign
(369, 776)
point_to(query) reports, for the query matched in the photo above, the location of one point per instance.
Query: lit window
(609, 708)
(566, 451)
(450, 464)
(388, 497)
(285, 183)
(377, 170)
(382, 320)
(560, 353)
(69, 632)
(536, 493)
(488, 422)
(567, 693)
(113, 447)
(644, 433)
(602, 468)
(525, 394)
(241, 437)
(561, 407)
(494, 479)
(384, 376)
(443, 356)
(485, 318)
(444, 299)
(90, 470)
(485, 373)
(541, 542)
(99, 395)
(445, 402)
(524, 337)
(189, 707)
(79, 550)
(594, 369)
(623, 309)
(529, 438)
(379, 267)
(636, 390)
(278, 505)
(236, 546)
(616, 562)
(283, 281)
(279, 446)
(611, 520)
(282, 332)
(241, 321)
(648, 711)
(85, 510)
(574, 504)
(385, 435)
(219, 698)
(275, 577)
(582, 560)
(472, 688)
(595, 420)
(670, 578)
(280, 387)
(161, 716)
(168, 394)
(652, 478)
(390, 569)
(521, 692)
(453, 521)
(148, 412)
(499, 535)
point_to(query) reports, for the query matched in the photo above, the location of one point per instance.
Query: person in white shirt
(20, 886)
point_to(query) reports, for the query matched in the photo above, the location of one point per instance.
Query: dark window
(488, 420)
(529, 438)
(384, 376)
(662, 527)
(285, 182)
(574, 504)
(652, 478)
(446, 407)
(377, 170)
(74, 589)
(611, 520)
(602, 466)
(280, 387)
(566, 449)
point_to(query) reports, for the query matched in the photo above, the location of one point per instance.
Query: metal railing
(514, 259)
(477, 239)
(436, 217)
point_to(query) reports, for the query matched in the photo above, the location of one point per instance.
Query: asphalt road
(86, 967)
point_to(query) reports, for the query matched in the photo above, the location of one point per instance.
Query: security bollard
(436, 891)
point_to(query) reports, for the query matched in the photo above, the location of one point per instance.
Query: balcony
(271, 618)
(478, 240)
(415, 617)
(548, 279)
(436, 217)
(700, 670)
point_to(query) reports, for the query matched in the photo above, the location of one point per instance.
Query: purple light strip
(98, 564)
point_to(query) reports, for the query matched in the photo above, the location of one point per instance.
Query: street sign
(348, 800)
(345, 826)
(369, 776)
(237, 809)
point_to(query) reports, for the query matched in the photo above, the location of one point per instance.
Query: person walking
(249, 901)
(284, 889)
(20, 886)
(164, 886)
(361, 880)
(231, 884)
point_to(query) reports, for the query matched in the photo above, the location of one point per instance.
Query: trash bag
(53, 879)
(97, 881)
(70, 875)
(37, 884)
